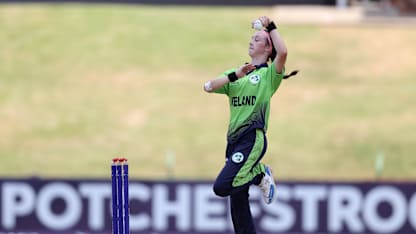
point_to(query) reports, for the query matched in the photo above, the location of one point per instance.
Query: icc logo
(254, 79)
(237, 157)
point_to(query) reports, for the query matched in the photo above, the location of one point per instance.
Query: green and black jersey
(249, 99)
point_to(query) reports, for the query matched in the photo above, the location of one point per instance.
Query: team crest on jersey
(237, 157)
(254, 79)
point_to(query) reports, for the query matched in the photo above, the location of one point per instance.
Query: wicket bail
(120, 196)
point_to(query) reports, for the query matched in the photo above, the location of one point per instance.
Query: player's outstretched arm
(212, 85)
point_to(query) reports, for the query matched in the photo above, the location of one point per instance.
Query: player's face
(258, 44)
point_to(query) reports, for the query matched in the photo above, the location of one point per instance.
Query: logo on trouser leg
(237, 157)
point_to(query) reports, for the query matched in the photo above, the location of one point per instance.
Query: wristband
(232, 77)
(271, 26)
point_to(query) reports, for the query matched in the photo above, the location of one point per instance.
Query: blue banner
(170, 207)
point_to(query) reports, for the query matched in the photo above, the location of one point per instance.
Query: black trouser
(242, 169)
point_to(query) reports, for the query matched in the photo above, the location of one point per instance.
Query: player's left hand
(243, 70)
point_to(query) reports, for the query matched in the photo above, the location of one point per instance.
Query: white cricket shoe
(267, 186)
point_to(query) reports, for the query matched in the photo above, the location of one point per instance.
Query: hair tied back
(293, 73)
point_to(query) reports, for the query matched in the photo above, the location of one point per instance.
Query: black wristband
(271, 26)
(232, 77)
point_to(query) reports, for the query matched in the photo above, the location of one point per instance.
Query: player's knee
(221, 190)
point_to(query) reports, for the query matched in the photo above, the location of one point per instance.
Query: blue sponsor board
(169, 207)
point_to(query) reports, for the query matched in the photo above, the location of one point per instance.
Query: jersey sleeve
(275, 78)
(224, 89)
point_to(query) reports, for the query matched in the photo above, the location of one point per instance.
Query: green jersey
(249, 100)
